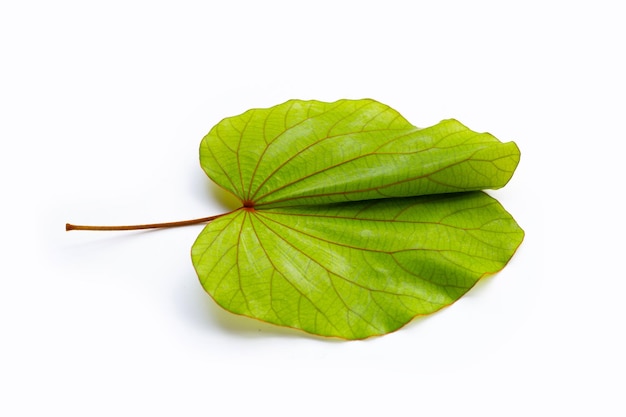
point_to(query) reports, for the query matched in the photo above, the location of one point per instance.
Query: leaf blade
(320, 153)
(354, 270)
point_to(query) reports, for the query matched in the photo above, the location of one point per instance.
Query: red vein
(375, 152)
(217, 161)
(243, 294)
(370, 189)
(302, 294)
(267, 143)
(285, 130)
(238, 154)
(217, 235)
(309, 147)
(347, 247)
(351, 282)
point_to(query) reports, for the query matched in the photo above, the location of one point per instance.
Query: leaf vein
(377, 188)
(287, 280)
(391, 253)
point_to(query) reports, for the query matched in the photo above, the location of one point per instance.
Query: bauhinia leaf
(353, 220)
(310, 152)
(354, 270)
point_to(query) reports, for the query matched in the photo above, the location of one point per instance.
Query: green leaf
(353, 221)
(310, 152)
(354, 270)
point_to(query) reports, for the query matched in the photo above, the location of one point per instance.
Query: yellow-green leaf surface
(311, 152)
(353, 221)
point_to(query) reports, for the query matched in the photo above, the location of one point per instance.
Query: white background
(103, 106)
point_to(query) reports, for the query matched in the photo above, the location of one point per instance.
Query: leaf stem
(69, 226)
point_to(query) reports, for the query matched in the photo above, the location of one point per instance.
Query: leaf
(348, 226)
(310, 152)
(354, 270)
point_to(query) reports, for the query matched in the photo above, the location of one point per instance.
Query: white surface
(102, 108)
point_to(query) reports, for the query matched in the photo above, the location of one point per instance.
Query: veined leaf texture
(353, 221)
